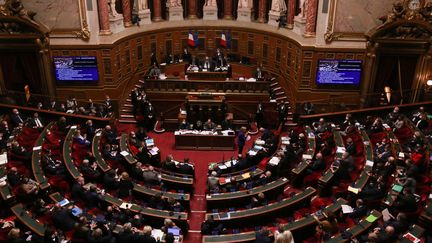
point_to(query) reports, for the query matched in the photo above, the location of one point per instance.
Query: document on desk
(347, 209)
(124, 153)
(157, 233)
(3, 159)
(274, 161)
(246, 175)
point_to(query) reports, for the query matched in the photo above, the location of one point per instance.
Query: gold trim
(82, 32)
(331, 35)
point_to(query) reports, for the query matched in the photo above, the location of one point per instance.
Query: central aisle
(201, 160)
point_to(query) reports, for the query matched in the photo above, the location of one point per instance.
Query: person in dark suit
(317, 165)
(125, 186)
(61, 108)
(153, 59)
(17, 118)
(78, 191)
(90, 130)
(20, 152)
(110, 135)
(359, 211)
(108, 105)
(36, 122)
(422, 123)
(127, 235)
(62, 218)
(258, 74)
(207, 64)
(185, 167)
(14, 178)
(92, 198)
(259, 115)
(186, 56)
(109, 181)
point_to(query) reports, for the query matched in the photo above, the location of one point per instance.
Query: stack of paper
(340, 150)
(246, 175)
(124, 153)
(307, 156)
(353, 189)
(3, 159)
(347, 209)
(126, 205)
(274, 161)
(369, 163)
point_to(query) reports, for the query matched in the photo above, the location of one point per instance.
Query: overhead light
(429, 82)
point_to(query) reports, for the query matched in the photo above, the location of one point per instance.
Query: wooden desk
(206, 75)
(229, 198)
(96, 148)
(182, 181)
(415, 230)
(67, 153)
(364, 176)
(357, 229)
(204, 142)
(293, 226)
(184, 197)
(24, 216)
(241, 237)
(248, 215)
(124, 147)
(38, 171)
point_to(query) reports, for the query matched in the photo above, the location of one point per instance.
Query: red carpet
(201, 159)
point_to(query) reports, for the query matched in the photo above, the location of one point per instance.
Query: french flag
(192, 39)
(223, 40)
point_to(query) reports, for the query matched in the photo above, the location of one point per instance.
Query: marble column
(127, 13)
(291, 14)
(228, 9)
(157, 11)
(192, 10)
(311, 17)
(104, 24)
(262, 5)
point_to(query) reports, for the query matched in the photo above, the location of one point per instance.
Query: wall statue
(278, 6)
(211, 3)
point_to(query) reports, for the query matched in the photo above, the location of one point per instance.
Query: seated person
(53, 166)
(17, 118)
(317, 165)
(213, 182)
(207, 64)
(150, 176)
(35, 122)
(90, 171)
(185, 167)
(80, 138)
(155, 72)
(20, 151)
(259, 200)
(209, 125)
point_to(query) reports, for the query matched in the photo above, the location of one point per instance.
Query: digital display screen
(339, 72)
(79, 68)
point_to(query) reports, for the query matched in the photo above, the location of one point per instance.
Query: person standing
(241, 140)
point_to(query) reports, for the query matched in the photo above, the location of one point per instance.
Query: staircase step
(127, 116)
(141, 81)
(281, 98)
(274, 84)
(127, 121)
(280, 93)
(128, 105)
(277, 88)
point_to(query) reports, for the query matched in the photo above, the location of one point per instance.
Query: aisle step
(127, 121)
